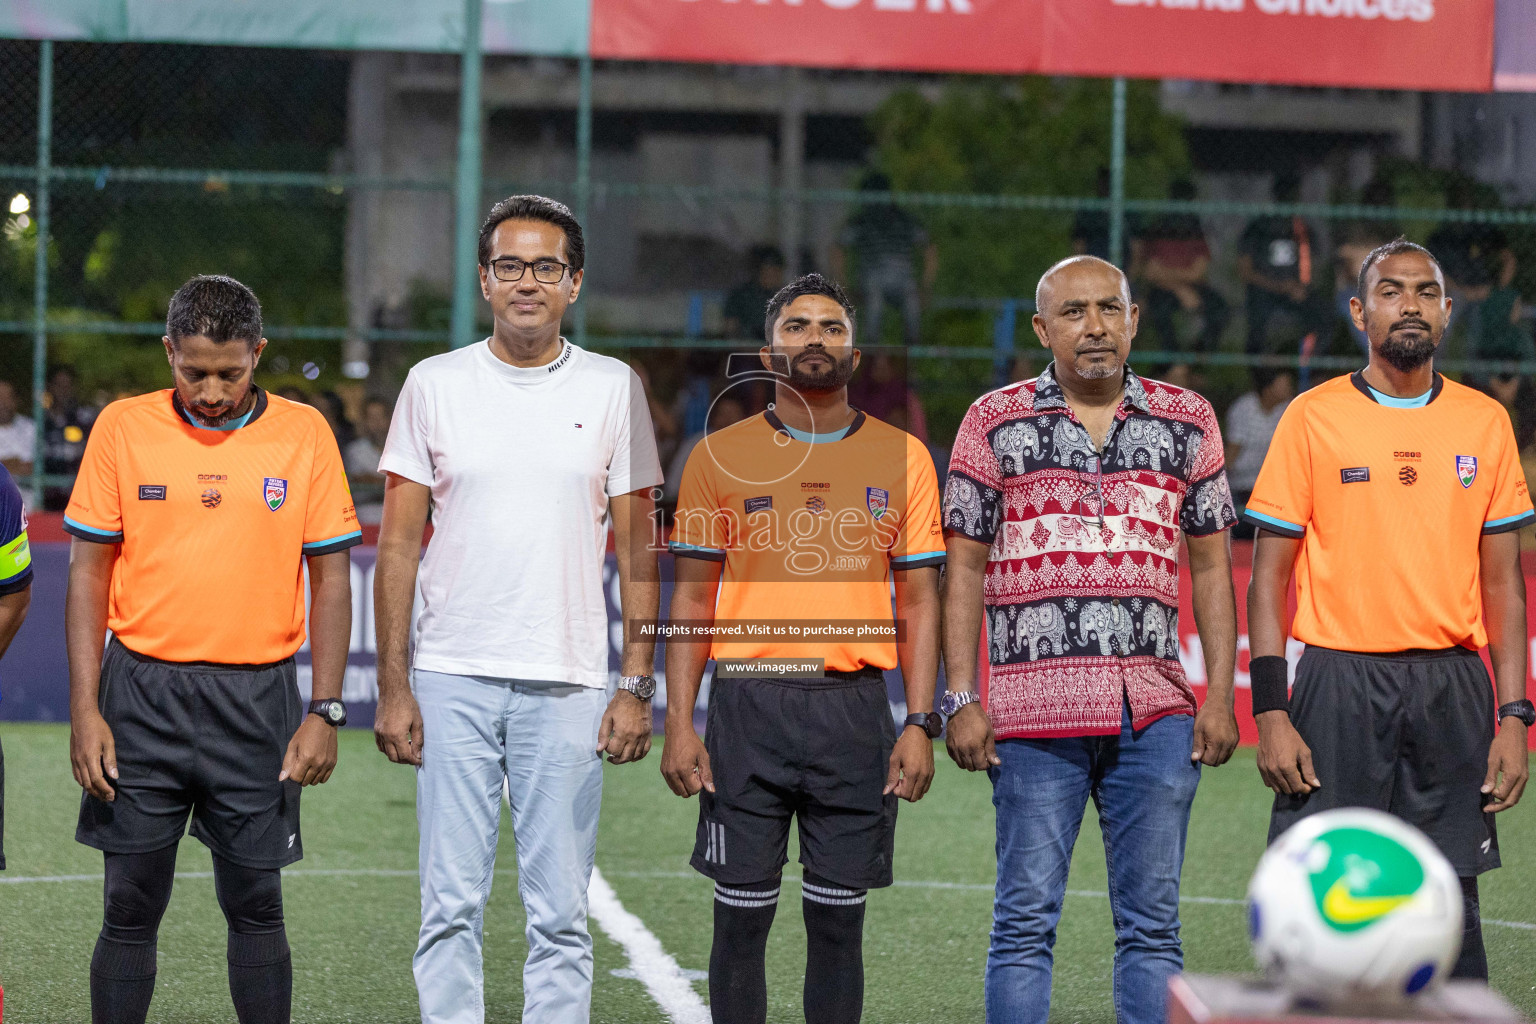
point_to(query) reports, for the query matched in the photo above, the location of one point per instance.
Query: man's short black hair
(1396, 247)
(216, 307)
(542, 208)
(806, 284)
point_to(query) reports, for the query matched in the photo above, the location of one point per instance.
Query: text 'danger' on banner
(1379, 44)
(996, 36)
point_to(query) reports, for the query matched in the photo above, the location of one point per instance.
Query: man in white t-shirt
(1251, 422)
(525, 448)
(17, 440)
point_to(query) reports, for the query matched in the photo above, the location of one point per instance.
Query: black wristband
(1271, 691)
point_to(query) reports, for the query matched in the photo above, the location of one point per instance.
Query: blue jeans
(541, 740)
(1142, 783)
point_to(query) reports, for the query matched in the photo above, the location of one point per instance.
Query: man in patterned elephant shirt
(1066, 502)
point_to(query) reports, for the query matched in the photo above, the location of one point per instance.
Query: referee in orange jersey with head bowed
(1396, 496)
(194, 514)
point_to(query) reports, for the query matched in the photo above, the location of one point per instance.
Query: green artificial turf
(353, 910)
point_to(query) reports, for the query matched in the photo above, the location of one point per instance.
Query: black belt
(858, 675)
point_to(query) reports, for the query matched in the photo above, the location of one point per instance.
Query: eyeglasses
(544, 271)
(1096, 492)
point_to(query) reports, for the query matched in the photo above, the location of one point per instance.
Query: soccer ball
(1354, 906)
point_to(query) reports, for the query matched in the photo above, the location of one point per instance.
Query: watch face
(935, 727)
(335, 712)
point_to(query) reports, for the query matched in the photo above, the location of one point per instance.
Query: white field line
(1220, 901)
(654, 966)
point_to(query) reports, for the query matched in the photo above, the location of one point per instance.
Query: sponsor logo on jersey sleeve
(152, 492)
(1355, 475)
(759, 504)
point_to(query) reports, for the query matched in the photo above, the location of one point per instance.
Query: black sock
(738, 969)
(122, 981)
(1473, 961)
(261, 977)
(260, 964)
(834, 951)
(136, 892)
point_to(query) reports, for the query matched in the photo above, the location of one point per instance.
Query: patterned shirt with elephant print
(1082, 582)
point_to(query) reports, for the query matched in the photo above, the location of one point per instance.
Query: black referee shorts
(817, 750)
(202, 740)
(1406, 733)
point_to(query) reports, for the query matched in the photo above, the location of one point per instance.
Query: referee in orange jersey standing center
(1396, 496)
(194, 513)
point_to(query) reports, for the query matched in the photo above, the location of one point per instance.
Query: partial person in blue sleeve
(15, 591)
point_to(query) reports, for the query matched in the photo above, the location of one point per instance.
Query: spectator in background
(690, 413)
(66, 425)
(1251, 422)
(745, 304)
(334, 410)
(362, 460)
(18, 437)
(294, 394)
(1479, 268)
(1172, 261)
(664, 421)
(884, 241)
(1275, 262)
(724, 411)
(883, 389)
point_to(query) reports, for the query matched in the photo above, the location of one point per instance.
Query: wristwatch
(952, 702)
(331, 712)
(640, 687)
(928, 721)
(1521, 709)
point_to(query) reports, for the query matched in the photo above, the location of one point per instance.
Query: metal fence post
(1117, 178)
(40, 272)
(583, 173)
(467, 205)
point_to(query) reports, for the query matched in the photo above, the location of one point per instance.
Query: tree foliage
(1027, 136)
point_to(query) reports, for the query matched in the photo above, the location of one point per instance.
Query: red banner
(991, 36)
(1382, 44)
(1386, 44)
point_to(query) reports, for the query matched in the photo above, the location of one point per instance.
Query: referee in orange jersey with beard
(1396, 496)
(194, 513)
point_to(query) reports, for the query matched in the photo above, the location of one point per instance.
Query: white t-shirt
(16, 438)
(1251, 429)
(521, 462)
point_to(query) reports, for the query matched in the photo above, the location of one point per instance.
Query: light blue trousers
(541, 738)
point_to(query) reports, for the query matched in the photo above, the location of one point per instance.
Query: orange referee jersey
(1392, 497)
(214, 524)
(809, 527)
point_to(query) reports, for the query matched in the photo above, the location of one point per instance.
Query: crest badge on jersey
(878, 500)
(1466, 469)
(275, 491)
